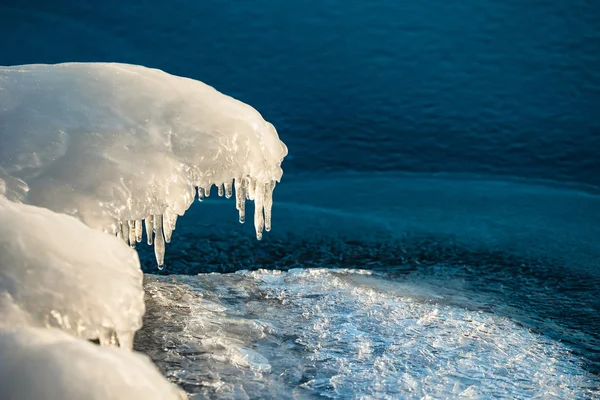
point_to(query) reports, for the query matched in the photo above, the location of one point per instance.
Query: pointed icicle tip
(138, 230)
(159, 244)
(240, 198)
(125, 231)
(228, 189)
(169, 220)
(259, 219)
(149, 229)
(131, 233)
(268, 204)
(119, 231)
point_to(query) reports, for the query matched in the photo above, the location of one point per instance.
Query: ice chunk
(51, 365)
(113, 143)
(60, 273)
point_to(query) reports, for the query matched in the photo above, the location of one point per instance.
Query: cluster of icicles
(160, 227)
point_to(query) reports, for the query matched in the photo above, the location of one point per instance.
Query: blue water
(501, 87)
(369, 89)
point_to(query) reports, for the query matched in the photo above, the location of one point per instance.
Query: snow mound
(56, 272)
(116, 144)
(51, 365)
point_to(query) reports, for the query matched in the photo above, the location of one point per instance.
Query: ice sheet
(346, 333)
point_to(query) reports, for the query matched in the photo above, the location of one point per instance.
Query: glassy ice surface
(476, 287)
(346, 333)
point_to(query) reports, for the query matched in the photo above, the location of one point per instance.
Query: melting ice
(122, 149)
(116, 144)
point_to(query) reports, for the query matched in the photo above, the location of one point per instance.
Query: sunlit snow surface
(57, 272)
(345, 333)
(115, 144)
(51, 365)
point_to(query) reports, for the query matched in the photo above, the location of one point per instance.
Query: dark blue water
(506, 87)
(489, 87)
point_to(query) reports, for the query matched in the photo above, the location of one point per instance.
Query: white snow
(114, 144)
(59, 273)
(51, 365)
(55, 272)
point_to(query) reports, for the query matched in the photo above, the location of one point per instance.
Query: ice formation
(116, 144)
(56, 274)
(51, 365)
(59, 273)
(348, 334)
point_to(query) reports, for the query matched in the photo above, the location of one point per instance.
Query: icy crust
(51, 365)
(345, 334)
(115, 144)
(56, 272)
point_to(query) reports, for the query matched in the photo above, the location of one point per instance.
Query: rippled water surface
(504, 87)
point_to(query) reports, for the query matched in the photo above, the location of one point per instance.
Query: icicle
(173, 220)
(200, 194)
(119, 231)
(259, 220)
(169, 221)
(149, 229)
(228, 189)
(125, 339)
(166, 229)
(159, 244)
(138, 230)
(240, 197)
(207, 191)
(131, 233)
(125, 231)
(251, 189)
(106, 336)
(220, 190)
(268, 204)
